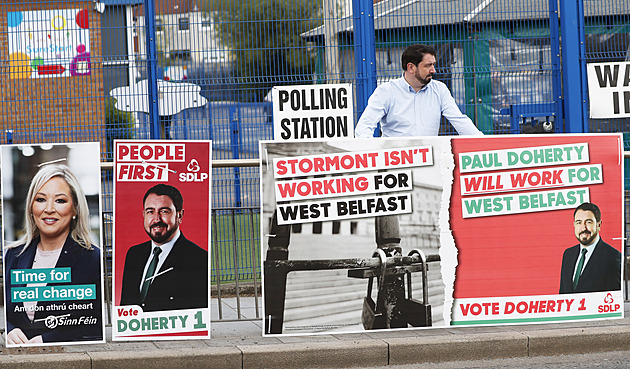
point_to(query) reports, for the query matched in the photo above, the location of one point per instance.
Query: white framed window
(183, 24)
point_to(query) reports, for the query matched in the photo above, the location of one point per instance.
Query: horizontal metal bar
(223, 163)
(230, 163)
(303, 265)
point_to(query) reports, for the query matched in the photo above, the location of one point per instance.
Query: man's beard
(425, 81)
(588, 240)
(161, 238)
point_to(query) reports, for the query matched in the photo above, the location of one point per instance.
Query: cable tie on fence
(270, 235)
(51, 162)
(158, 274)
(160, 166)
(619, 238)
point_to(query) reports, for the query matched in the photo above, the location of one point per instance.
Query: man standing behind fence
(413, 104)
(168, 272)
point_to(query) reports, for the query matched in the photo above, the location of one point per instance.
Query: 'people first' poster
(511, 229)
(161, 240)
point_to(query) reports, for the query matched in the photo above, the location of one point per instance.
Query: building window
(317, 228)
(336, 227)
(184, 24)
(159, 26)
(353, 227)
(206, 23)
(296, 228)
(180, 55)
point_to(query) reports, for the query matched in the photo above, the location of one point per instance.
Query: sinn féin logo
(52, 321)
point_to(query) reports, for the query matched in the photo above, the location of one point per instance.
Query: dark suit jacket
(184, 287)
(601, 273)
(85, 269)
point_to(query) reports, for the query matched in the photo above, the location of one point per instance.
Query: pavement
(239, 344)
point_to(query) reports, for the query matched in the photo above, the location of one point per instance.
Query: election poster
(499, 222)
(609, 89)
(52, 244)
(312, 111)
(161, 240)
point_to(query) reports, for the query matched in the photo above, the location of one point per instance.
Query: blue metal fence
(504, 61)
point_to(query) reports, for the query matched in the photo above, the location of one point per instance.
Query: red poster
(509, 266)
(161, 240)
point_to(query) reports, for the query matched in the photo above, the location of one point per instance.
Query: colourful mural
(49, 43)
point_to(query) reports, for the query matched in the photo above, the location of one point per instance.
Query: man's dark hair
(166, 190)
(587, 206)
(415, 53)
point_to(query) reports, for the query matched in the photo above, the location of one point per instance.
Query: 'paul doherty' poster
(161, 240)
(367, 234)
(52, 248)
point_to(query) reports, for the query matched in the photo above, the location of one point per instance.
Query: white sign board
(609, 89)
(49, 43)
(312, 111)
(173, 97)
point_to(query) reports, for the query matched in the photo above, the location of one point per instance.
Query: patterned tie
(579, 269)
(147, 280)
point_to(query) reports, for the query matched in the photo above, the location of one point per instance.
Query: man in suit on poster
(592, 265)
(168, 272)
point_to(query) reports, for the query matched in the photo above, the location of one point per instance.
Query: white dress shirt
(403, 112)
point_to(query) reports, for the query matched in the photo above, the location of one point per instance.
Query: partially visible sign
(49, 43)
(173, 97)
(609, 89)
(312, 111)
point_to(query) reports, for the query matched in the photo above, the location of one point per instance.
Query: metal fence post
(234, 144)
(364, 52)
(556, 72)
(573, 67)
(154, 114)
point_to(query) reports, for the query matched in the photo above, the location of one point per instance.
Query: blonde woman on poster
(53, 272)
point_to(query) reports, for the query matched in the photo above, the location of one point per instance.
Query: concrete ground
(240, 345)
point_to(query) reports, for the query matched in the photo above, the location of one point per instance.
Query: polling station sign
(312, 111)
(161, 240)
(53, 263)
(609, 89)
(498, 212)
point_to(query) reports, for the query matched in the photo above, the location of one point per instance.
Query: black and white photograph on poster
(52, 248)
(332, 212)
